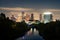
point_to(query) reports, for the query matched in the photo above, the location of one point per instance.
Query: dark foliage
(49, 31)
(11, 30)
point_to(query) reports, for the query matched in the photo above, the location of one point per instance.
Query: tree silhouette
(11, 30)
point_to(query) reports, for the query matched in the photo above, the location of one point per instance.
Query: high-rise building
(47, 17)
(27, 17)
(22, 15)
(32, 17)
(13, 18)
(19, 19)
(40, 17)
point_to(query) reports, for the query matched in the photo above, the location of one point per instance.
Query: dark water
(31, 36)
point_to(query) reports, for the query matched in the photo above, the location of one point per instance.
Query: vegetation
(11, 30)
(49, 31)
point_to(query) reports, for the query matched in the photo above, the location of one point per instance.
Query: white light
(47, 13)
(31, 29)
(34, 30)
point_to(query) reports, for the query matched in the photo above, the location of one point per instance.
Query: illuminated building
(13, 18)
(40, 17)
(27, 18)
(47, 17)
(22, 15)
(19, 19)
(32, 17)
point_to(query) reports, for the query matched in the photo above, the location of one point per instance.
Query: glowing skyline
(17, 12)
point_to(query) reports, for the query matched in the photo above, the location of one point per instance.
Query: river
(31, 35)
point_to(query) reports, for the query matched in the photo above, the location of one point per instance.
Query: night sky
(51, 4)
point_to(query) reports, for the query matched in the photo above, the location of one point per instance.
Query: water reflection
(31, 35)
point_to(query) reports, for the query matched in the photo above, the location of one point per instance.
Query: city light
(47, 13)
(47, 17)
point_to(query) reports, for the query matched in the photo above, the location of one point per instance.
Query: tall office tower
(13, 18)
(47, 17)
(22, 15)
(32, 17)
(40, 17)
(27, 17)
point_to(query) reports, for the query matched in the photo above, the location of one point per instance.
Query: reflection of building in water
(31, 36)
(13, 18)
(31, 31)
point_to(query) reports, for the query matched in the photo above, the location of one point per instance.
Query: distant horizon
(17, 12)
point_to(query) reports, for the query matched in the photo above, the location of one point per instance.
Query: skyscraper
(47, 17)
(27, 18)
(22, 15)
(13, 18)
(32, 17)
(40, 17)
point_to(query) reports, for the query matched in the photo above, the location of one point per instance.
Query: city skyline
(15, 7)
(30, 19)
(17, 12)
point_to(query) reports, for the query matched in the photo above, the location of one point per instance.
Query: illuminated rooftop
(47, 13)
